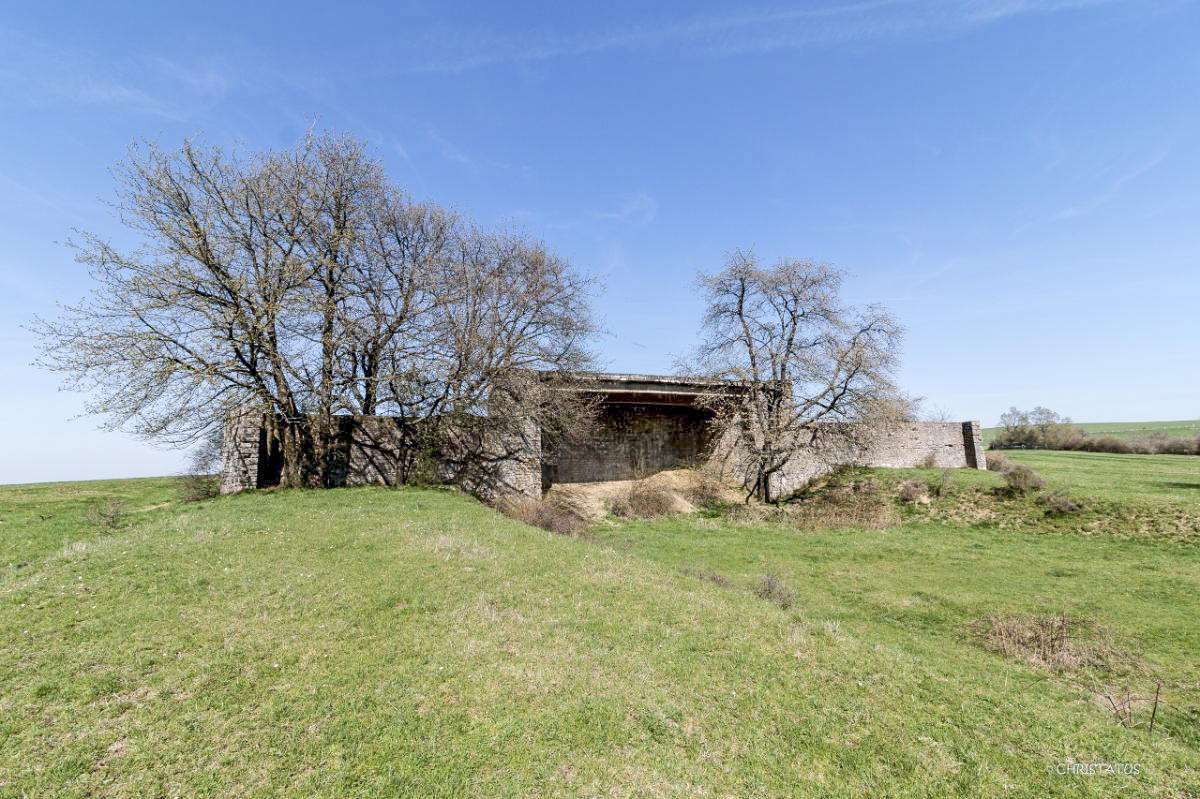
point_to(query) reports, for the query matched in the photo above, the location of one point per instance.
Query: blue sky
(1016, 180)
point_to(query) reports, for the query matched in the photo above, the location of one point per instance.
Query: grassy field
(374, 642)
(1188, 428)
(1135, 480)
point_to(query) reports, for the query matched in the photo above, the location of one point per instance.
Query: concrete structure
(647, 423)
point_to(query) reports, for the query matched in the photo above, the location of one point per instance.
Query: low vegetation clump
(199, 487)
(644, 499)
(913, 491)
(843, 499)
(1059, 503)
(549, 513)
(1020, 480)
(773, 590)
(708, 491)
(107, 514)
(1060, 642)
(997, 462)
(708, 575)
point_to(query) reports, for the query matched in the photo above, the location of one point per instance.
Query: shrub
(1020, 480)
(108, 515)
(929, 461)
(997, 462)
(1060, 642)
(548, 513)
(859, 504)
(708, 575)
(644, 500)
(200, 481)
(772, 589)
(943, 485)
(912, 491)
(197, 487)
(707, 491)
(1057, 503)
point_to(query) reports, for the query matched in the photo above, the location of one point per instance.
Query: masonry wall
(632, 441)
(943, 445)
(373, 450)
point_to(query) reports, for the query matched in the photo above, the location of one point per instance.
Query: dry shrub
(1060, 642)
(859, 504)
(709, 576)
(929, 461)
(644, 500)
(913, 491)
(707, 491)
(751, 513)
(772, 589)
(550, 513)
(1058, 503)
(197, 487)
(997, 462)
(1020, 480)
(944, 485)
(108, 514)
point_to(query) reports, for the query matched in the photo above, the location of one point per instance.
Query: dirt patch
(681, 486)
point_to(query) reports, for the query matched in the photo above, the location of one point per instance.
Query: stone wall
(376, 450)
(942, 445)
(637, 436)
(243, 443)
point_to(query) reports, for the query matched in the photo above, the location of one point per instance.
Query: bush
(1060, 642)
(772, 589)
(1057, 503)
(548, 513)
(1020, 480)
(709, 576)
(997, 462)
(107, 515)
(644, 500)
(929, 461)
(197, 487)
(707, 491)
(200, 481)
(859, 504)
(942, 486)
(913, 491)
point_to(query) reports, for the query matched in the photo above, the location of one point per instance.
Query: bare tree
(808, 365)
(303, 284)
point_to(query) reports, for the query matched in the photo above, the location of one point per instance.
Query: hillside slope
(374, 642)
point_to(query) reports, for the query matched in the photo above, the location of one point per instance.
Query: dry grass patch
(772, 589)
(708, 575)
(1060, 642)
(645, 499)
(859, 504)
(551, 513)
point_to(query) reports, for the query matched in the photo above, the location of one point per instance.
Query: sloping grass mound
(375, 642)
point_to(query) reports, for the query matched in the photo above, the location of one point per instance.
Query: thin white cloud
(448, 149)
(746, 30)
(640, 209)
(1112, 191)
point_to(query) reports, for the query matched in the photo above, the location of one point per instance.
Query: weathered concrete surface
(648, 424)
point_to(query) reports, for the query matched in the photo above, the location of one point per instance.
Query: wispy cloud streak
(749, 30)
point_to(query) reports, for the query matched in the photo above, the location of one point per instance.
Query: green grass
(375, 642)
(1146, 480)
(1188, 428)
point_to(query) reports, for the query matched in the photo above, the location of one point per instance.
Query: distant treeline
(1042, 428)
